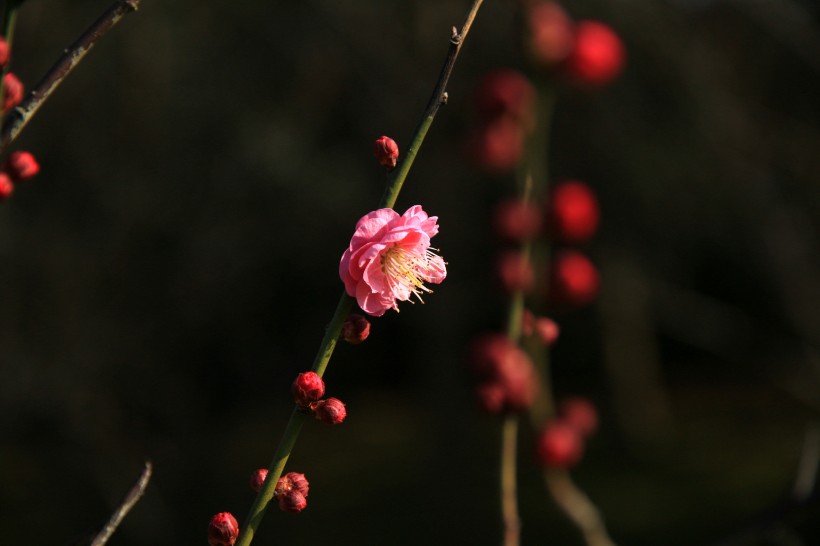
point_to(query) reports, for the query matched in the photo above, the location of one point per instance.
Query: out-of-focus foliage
(172, 268)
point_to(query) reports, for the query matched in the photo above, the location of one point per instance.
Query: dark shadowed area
(172, 268)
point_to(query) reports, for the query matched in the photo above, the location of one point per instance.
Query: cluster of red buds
(562, 441)
(308, 389)
(588, 53)
(291, 489)
(507, 380)
(19, 165)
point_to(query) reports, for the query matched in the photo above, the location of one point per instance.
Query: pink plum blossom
(389, 259)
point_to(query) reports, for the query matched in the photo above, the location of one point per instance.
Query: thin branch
(439, 97)
(578, 508)
(14, 122)
(128, 503)
(509, 489)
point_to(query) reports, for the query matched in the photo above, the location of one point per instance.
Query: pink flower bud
(516, 220)
(386, 151)
(223, 530)
(13, 91)
(551, 33)
(307, 388)
(6, 186)
(514, 271)
(5, 52)
(292, 501)
(559, 445)
(578, 412)
(330, 411)
(298, 482)
(598, 55)
(546, 329)
(355, 329)
(21, 165)
(575, 280)
(572, 212)
(258, 478)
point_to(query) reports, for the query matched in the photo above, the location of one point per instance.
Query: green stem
(509, 494)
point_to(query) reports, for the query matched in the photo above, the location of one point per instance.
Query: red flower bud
(355, 329)
(498, 145)
(598, 55)
(223, 530)
(330, 411)
(14, 90)
(572, 212)
(307, 388)
(292, 501)
(506, 375)
(578, 412)
(258, 478)
(298, 482)
(5, 52)
(575, 280)
(386, 151)
(6, 187)
(21, 165)
(551, 33)
(514, 271)
(516, 220)
(505, 93)
(559, 445)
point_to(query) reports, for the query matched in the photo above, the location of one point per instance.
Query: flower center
(406, 269)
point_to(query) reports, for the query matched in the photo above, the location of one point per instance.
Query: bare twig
(578, 508)
(127, 504)
(509, 490)
(14, 122)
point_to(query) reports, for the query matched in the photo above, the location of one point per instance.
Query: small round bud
(551, 33)
(5, 52)
(559, 445)
(575, 280)
(258, 478)
(498, 145)
(307, 388)
(330, 411)
(546, 329)
(355, 329)
(21, 165)
(578, 412)
(13, 91)
(514, 271)
(516, 220)
(572, 212)
(386, 151)
(223, 530)
(597, 56)
(292, 501)
(6, 186)
(298, 482)
(505, 93)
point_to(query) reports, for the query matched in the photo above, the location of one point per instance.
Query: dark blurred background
(172, 268)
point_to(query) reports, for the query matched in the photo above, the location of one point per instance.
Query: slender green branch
(17, 119)
(509, 493)
(394, 184)
(397, 177)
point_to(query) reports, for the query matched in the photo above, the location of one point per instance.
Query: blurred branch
(128, 503)
(16, 120)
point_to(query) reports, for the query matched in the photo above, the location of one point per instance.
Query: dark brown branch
(127, 504)
(14, 122)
